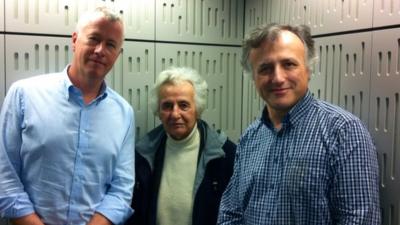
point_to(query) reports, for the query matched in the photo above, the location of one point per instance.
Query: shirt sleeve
(116, 203)
(355, 191)
(14, 201)
(230, 211)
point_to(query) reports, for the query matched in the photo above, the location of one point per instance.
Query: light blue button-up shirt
(61, 158)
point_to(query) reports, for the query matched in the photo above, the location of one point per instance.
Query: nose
(100, 48)
(279, 74)
(175, 113)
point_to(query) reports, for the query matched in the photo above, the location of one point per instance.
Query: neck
(90, 88)
(276, 117)
(187, 138)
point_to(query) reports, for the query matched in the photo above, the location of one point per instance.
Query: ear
(158, 114)
(74, 39)
(309, 73)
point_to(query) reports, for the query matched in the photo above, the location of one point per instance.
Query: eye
(289, 65)
(92, 40)
(265, 69)
(166, 106)
(185, 106)
(111, 45)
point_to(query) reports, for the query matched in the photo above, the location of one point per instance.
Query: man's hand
(31, 219)
(99, 219)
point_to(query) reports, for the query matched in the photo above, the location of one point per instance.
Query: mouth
(176, 124)
(279, 90)
(96, 62)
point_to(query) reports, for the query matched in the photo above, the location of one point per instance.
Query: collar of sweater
(188, 143)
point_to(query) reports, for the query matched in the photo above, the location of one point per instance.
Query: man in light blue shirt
(66, 143)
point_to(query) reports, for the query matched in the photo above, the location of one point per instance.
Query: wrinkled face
(96, 47)
(280, 73)
(177, 110)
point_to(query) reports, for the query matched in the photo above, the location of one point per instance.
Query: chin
(96, 74)
(281, 106)
(179, 136)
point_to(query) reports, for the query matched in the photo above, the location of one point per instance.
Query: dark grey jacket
(215, 167)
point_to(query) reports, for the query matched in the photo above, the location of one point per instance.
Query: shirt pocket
(308, 178)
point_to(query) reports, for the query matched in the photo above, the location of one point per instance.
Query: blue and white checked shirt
(320, 168)
(61, 158)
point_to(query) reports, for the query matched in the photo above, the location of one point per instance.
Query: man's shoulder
(252, 129)
(332, 109)
(254, 125)
(116, 101)
(115, 96)
(334, 113)
(38, 80)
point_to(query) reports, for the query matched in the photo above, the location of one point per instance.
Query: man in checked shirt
(304, 161)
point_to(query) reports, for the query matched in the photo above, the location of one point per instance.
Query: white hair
(174, 76)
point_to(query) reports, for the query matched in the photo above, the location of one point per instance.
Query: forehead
(285, 44)
(181, 90)
(112, 29)
(287, 37)
(102, 21)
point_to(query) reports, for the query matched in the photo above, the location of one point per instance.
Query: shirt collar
(70, 89)
(295, 114)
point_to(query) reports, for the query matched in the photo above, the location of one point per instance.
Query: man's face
(280, 73)
(177, 109)
(96, 47)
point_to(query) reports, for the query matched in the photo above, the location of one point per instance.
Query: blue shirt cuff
(15, 206)
(115, 209)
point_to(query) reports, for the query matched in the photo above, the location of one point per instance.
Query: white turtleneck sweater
(175, 197)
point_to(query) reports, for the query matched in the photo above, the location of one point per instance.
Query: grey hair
(269, 33)
(175, 76)
(99, 12)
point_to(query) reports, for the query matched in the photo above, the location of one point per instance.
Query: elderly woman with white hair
(182, 166)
